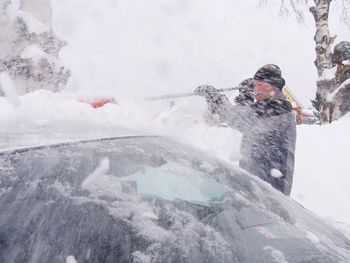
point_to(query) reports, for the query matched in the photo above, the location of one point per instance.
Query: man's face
(263, 91)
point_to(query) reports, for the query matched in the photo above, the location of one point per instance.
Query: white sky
(137, 48)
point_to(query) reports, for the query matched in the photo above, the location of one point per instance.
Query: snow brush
(189, 94)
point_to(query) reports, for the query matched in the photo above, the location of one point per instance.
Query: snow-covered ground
(322, 180)
(133, 49)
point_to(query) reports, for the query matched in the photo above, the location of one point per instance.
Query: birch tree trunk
(325, 85)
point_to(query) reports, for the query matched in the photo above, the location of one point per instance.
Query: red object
(299, 116)
(100, 102)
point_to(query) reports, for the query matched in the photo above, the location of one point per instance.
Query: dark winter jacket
(269, 135)
(341, 78)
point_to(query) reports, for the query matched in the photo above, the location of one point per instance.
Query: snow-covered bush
(29, 52)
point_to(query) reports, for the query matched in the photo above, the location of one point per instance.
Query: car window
(174, 180)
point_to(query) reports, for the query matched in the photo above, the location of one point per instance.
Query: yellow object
(291, 98)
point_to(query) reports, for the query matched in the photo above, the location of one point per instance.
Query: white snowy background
(134, 49)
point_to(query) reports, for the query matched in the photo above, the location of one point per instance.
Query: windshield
(171, 181)
(142, 168)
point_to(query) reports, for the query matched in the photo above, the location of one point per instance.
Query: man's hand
(215, 100)
(206, 91)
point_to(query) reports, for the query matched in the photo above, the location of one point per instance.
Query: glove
(212, 96)
(206, 91)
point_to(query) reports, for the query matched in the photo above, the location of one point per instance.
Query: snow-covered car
(149, 199)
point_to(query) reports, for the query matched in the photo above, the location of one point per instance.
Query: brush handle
(189, 94)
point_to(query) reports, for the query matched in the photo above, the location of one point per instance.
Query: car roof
(68, 143)
(14, 136)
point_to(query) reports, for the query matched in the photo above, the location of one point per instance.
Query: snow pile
(321, 180)
(182, 119)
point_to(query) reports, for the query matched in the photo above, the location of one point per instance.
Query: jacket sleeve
(237, 116)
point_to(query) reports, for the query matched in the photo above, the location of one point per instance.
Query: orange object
(299, 115)
(101, 102)
(303, 116)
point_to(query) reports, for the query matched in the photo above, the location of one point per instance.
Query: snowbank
(321, 180)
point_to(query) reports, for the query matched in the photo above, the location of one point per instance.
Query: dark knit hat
(341, 52)
(272, 74)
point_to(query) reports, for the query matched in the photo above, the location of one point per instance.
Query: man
(268, 127)
(341, 59)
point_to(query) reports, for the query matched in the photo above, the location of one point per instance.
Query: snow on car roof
(17, 136)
